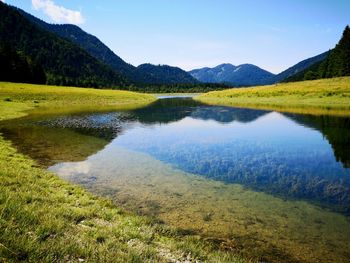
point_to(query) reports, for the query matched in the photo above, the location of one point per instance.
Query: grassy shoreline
(16, 99)
(45, 219)
(326, 96)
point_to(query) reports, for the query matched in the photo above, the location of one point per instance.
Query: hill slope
(242, 75)
(335, 64)
(63, 62)
(86, 41)
(163, 74)
(300, 67)
(149, 74)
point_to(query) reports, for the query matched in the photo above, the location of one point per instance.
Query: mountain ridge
(165, 74)
(71, 56)
(64, 62)
(300, 66)
(96, 48)
(241, 75)
(336, 63)
(264, 77)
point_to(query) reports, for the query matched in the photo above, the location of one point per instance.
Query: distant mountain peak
(241, 75)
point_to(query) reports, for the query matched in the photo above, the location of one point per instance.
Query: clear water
(270, 185)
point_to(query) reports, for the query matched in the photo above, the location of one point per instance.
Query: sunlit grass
(45, 219)
(16, 98)
(326, 96)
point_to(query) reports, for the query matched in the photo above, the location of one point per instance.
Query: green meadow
(325, 96)
(45, 219)
(16, 98)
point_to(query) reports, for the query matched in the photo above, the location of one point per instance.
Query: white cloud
(58, 14)
(2, 1)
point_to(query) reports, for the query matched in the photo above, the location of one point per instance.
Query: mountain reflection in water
(267, 151)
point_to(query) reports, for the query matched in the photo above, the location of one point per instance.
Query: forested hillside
(300, 67)
(16, 67)
(143, 74)
(336, 63)
(63, 62)
(38, 52)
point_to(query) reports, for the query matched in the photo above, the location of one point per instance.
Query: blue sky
(272, 34)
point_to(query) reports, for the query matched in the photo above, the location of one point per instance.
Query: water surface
(265, 184)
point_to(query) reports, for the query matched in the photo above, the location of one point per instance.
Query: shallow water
(265, 184)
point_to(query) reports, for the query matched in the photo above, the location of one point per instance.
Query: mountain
(306, 74)
(250, 75)
(242, 75)
(336, 63)
(300, 67)
(211, 75)
(163, 74)
(70, 56)
(333, 63)
(144, 74)
(86, 41)
(63, 62)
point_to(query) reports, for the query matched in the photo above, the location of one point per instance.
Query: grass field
(44, 219)
(326, 96)
(16, 98)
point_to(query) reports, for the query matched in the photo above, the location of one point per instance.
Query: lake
(268, 185)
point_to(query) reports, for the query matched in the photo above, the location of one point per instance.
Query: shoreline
(317, 97)
(44, 218)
